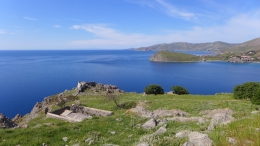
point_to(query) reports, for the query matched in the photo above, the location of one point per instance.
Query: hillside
(177, 119)
(166, 56)
(183, 46)
(252, 45)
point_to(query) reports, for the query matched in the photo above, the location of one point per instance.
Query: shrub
(128, 105)
(256, 97)
(179, 90)
(245, 90)
(154, 89)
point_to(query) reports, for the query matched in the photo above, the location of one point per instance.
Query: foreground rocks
(5, 122)
(198, 139)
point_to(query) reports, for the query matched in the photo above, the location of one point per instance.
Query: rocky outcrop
(218, 117)
(5, 122)
(97, 88)
(17, 118)
(150, 124)
(198, 139)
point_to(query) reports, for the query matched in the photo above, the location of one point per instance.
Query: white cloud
(2, 31)
(30, 18)
(166, 8)
(238, 29)
(109, 37)
(57, 26)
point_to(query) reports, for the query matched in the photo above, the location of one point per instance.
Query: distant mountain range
(218, 46)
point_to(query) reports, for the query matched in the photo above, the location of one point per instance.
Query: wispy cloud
(167, 8)
(57, 26)
(2, 31)
(109, 37)
(237, 29)
(30, 18)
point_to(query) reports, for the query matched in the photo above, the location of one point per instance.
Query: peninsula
(166, 56)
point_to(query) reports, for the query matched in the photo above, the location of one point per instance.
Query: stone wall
(90, 111)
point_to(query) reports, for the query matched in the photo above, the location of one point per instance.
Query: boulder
(161, 130)
(188, 144)
(220, 119)
(183, 134)
(211, 113)
(199, 139)
(169, 113)
(5, 122)
(150, 124)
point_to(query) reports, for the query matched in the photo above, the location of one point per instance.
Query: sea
(26, 77)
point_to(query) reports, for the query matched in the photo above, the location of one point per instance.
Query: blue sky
(122, 24)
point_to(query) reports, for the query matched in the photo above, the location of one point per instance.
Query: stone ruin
(77, 113)
(97, 88)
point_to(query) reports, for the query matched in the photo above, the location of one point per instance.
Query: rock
(183, 134)
(169, 113)
(211, 113)
(220, 119)
(91, 142)
(188, 144)
(254, 112)
(5, 122)
(150, 124)
(110, 145)
(186, 119)
(77, 144)
(257, 129)
(113, 132)
(65, 139)
(37, 108)
(87, 140)
(118, 119)
(161, 130)
(232, 141)
(199, 139)
(143, 144)
(25, 126)
(17, 118)
(141, 111)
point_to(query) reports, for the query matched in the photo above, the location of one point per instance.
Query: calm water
(28, 76)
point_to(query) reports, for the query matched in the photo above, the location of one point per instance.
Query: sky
(123, 24)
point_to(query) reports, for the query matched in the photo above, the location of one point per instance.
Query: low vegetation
(166, 56)
(179, 90)
(154, 89)
(248, 90)
(124, 127)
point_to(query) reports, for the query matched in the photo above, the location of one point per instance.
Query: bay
(26, 77)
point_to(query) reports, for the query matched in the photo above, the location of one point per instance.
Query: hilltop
(217, 46)
(159, 120)
(252, 45)
(166, 56)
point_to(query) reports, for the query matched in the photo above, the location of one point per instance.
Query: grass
(176, 57)
(127, 129)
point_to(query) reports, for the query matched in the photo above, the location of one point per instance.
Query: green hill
(166, 56)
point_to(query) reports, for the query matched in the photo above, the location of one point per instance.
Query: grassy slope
(127, 131)
(167, 56)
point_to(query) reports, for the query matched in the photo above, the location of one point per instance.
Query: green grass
(175, 57)
(128, 131)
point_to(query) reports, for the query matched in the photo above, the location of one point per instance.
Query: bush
(154, 89)
(245, 90)
(179, 90)
(256, 97)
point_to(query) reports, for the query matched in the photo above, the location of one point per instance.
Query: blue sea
(26, 77)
